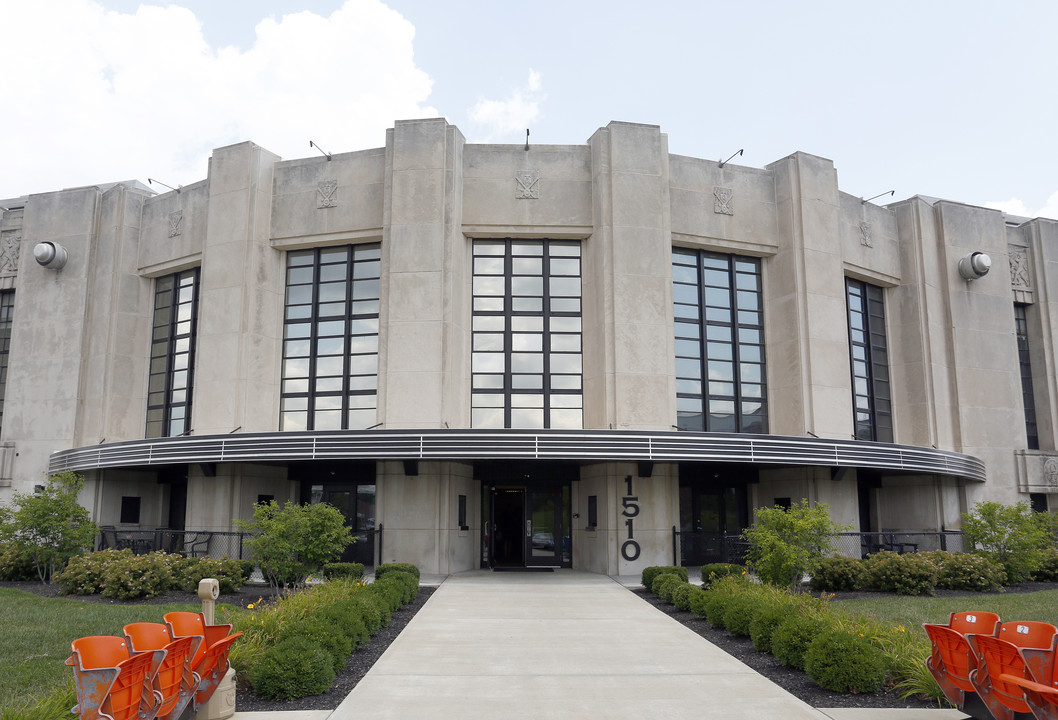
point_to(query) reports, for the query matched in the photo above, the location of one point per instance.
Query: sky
(950, 99)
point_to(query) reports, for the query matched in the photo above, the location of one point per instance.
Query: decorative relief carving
(1050, 471)
(528, 185)
(176, 223)
(865, 235)
(723, 198)
(9, 247)
(327, 194)
(1019, 268)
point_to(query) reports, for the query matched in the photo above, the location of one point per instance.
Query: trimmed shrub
(406, 584)
(1047, 571)
(716, 608)
(353, 571)
(188, 572)
(83, 574)
(381, 570)
(903, 574)
(137, 576)
(699, 601)
(967, 571)
(843, 662)
(739, 613)
(712, 571)
(840, 573)
(792, 637)
(764, 624)
(683, 594)
(16, 563)
(376, 611)
(662, 582)
(390, 593)
(294, 668)
(348, 617)
(316, 629)
(649, 573)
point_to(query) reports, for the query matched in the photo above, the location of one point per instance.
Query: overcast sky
(948, 99)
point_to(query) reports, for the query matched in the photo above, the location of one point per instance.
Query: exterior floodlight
(50, 255)
(975, 265)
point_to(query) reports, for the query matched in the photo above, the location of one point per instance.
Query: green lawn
(911, 612)
(36, 632)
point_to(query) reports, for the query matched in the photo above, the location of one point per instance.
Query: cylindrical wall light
(974, 266)
(50, 255)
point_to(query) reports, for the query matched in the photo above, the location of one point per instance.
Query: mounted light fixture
(50, 255)
(975, 266)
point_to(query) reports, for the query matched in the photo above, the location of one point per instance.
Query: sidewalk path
(557, 645)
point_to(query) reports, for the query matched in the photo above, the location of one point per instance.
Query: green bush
(349, 618)
(792, 637)
(836, 574)
(716, 608)
(649, 573)
(967, 571)
(764, 624)
(739, 614)
(16, 563)
(683, 594)
(910, 574)
(188, 572)
(406, 585)
(375, 610)
(842, 662)
(699, 602)
(662, 583)
(712, 571)
(294, 668)
(137, 576)
(353, 571)
(1047, 570)
(784, 544)
(246, 567)
(1012, 534)
(381, 570)
(316, 629)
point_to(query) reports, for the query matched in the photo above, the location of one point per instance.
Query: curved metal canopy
(468, 445)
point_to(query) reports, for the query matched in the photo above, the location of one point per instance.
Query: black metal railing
(217, 543)
(698, 548)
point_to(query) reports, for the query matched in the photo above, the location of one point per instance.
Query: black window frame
(718, 310)
(872, 412)
(7, 313)
(1028, 396)
(496, 316)
(315, 318)
(170, 375)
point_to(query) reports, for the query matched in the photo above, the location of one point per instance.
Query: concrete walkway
(562, 645)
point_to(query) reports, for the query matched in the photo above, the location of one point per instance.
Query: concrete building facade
(556, 355)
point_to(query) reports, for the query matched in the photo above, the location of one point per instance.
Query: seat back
(99, 651)
(998, 658)
(974, 622)
(1027, 633)
(952, 652)
(174, 679)
(184, 624)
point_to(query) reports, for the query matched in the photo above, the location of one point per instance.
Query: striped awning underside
(582, 445)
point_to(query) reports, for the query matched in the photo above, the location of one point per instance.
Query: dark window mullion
(736, 344)
(545, 331)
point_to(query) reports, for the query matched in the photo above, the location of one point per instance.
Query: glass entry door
(544, 528)
(528, 527)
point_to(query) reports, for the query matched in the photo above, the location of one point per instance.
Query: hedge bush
(967, 571)
(713, 571)
(649, 573)
(910, 574)
(120, 574)
(836, 574)
(16, 563)
(764, 624)
(699, 602)
(294, 668)
(739, 613)
(716, 608)
(381, 570)
(353, 571)
(842, 662)
(662, 583)
(792, 637)
(316, 629)
(683, 595)
(1047, 570)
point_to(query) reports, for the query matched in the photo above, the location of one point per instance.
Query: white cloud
(1014, 206)
(501, 118)
(101, 96)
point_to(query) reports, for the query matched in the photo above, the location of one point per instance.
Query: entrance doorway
(713, 512)
(526, 514)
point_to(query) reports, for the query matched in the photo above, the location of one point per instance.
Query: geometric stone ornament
(722, 197)
(176, 223)
(865, 235)
(10, 243)
(527, 185)
(327, 194)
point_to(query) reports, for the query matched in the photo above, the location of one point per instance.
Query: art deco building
(557, 355)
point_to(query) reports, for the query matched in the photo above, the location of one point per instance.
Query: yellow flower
(861, 634)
